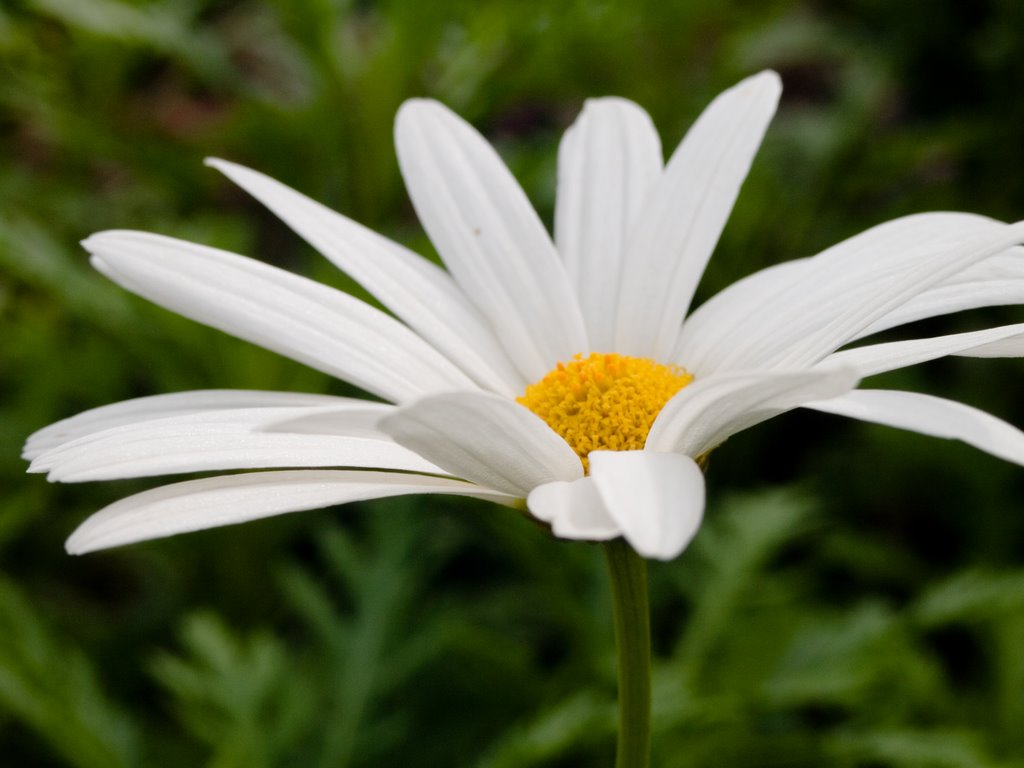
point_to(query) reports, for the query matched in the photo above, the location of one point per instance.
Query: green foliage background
(856, 597)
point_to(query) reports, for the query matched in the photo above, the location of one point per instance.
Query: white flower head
(569, 373)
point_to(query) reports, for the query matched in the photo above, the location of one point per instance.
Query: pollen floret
(604, 402)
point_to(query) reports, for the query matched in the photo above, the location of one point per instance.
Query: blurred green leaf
(910, 749)
(52, 689)
(241, 696)
(732, 555)
(972, 595)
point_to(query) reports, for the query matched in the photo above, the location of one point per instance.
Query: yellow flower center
(604, 402)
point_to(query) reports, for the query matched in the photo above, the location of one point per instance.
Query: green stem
(628, 572)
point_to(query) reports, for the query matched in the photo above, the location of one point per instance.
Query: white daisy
(567, 373)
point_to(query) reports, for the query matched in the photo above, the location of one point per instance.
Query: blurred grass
(874, 619)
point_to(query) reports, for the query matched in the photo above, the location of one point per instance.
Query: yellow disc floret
(604, 402)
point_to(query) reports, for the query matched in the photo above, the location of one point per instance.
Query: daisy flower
(566, 372)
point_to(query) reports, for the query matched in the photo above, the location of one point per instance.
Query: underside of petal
(174, 404)
(712, 409)
(1005, 341)
(932, 416)
(657, 499)
(222, 440)
(485, 438)
(575, 510)
(217, 501)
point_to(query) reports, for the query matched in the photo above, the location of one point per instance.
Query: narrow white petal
(685, 213)
(173, 404)
(608, 161)
(719, 323)
(710, 410)
(723, 329)
(237, 421)
(199, 504)
(992, 282)
(416, 290)
(574, 509)
(842, 291)
(309, 322)
(331, 421)
(1011, 345)
(932, 416)
(221, 440)
(484, 438)
(489, 236)
(657, 499)
(1005, 341)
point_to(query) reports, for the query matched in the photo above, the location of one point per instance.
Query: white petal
(221, 440)
(1005, 341)
(795, 314)
(489, 236)
(995, 281)
(574, 509)
(720, 331)
(199, 504)
(932, 416)
(309, 322)
(1011, 345)
(608, 161)
(708, 411)
(685, 213)
(657, 499)
(416, 290)
(484, 438)
(717, 325)
(236, 422)
(332, 421)
(173, 404)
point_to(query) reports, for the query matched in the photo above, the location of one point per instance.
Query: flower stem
(628, 572)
